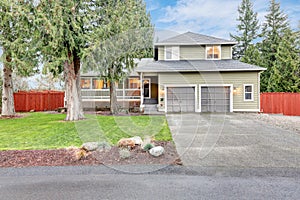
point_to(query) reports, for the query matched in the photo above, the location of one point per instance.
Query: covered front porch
(133, 93)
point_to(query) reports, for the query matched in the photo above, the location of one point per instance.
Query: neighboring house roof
(146, 65)
(190, 38)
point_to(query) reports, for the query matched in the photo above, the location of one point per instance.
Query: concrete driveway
(233, 140)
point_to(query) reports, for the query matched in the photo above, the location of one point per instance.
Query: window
(85, 83)
(213, 52)
(97, 83)
(134, 83)
(248, 92)
(172, 53)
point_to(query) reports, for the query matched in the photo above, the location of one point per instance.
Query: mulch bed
(67, 157)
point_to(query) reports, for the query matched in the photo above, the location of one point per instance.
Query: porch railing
(104, 93)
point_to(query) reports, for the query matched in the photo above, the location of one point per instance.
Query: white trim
(108, 100)
(212, 45)
(141, 89)
(178, 86)
(252, 93)
(246, 110)
(258, 89)
(218, 85)
(172, 54)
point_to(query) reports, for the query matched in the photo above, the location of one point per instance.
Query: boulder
(90, 146)
(137, 139)
(157, 151)
(126, 142)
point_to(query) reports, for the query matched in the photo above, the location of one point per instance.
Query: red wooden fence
(280, 103)
(38, 100)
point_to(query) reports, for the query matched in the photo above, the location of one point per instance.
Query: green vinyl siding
(192, 52)
(237, 79)
(226, 52)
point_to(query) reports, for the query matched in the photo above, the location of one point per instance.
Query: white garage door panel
(181, 99)
(215, 99)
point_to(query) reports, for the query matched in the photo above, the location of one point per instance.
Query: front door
(147, 88)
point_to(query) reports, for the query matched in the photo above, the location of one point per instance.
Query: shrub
(148, 146)
(124, 153)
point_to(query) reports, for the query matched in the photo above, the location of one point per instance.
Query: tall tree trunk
(113, 98)
(73, 90)
(8, 106)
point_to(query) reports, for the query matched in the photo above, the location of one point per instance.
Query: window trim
(176, 57)
(252, 92)
(220, 48)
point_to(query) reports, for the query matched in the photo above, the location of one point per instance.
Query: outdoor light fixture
(234, 90)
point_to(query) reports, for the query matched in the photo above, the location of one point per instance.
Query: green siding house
(189, 73)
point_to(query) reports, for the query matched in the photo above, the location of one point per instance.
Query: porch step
(150, 101)
(151, 109)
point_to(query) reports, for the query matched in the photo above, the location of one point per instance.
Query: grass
(49, 131)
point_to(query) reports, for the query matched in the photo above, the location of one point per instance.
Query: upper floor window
(172, 53)
(213, 52)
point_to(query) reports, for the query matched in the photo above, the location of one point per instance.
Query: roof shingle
(146, 65)
(190, 38)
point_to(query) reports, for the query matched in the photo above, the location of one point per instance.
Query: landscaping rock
(157, 151)
(137, 139)
(103, 146)
(126, 142)
(90, 146)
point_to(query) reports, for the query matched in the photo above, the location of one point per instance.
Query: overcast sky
(210, 17)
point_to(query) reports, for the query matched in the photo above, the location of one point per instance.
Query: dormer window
(171, 52)
(213, 52)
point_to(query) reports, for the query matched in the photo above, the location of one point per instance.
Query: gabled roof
(195, 66)
(190, 38)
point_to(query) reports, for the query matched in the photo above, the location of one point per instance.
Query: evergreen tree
(130, 38)
(19, 55)
(272, 32)
(246, 29)
(252, 55)
(285, 73)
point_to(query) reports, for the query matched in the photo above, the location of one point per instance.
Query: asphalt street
(167, 183)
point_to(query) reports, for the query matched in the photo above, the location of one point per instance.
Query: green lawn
(49, 131)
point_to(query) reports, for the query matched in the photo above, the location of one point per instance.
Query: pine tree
(19, 55)
(246, 29)
(285, 73)
(130, 38)
(252, 55)
(272, 32)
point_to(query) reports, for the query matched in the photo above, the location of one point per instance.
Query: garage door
(215, 99)
(181, 99)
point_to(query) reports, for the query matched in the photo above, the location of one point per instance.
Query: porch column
(141, 92)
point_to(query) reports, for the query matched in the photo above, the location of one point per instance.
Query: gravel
(291, 123)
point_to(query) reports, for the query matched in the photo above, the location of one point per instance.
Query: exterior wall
(196, 52)
(192, 52)
(237, 79)
(226, 52)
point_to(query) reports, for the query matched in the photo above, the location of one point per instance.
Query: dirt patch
(67, 157)
(13, 116)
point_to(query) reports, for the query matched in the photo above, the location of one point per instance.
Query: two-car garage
(211, 99)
